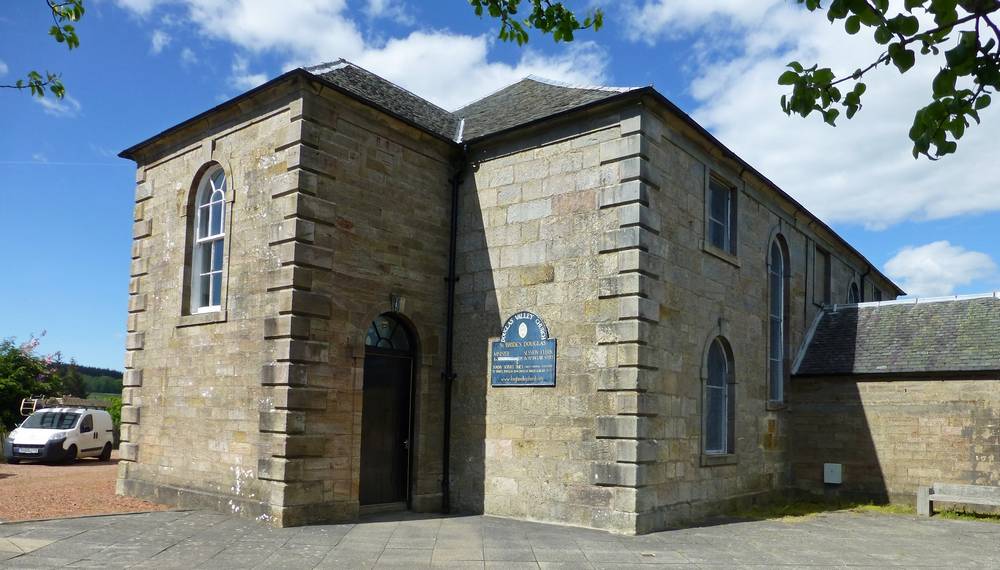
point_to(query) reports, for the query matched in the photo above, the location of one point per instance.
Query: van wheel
(70, 455)
(105, 453)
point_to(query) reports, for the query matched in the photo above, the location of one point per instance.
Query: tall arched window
(719, 400)
(777, 304)
(208, 257)
(853, 294)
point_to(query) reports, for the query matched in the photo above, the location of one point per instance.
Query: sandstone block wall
(256, 409)
(696, 293)
(192, 401)
(387, 206)
(894, 435)
(534, 236)
(598, 226)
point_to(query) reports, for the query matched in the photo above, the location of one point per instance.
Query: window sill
(202, 319)
(715, 460)
(776, 406)
(721, 254)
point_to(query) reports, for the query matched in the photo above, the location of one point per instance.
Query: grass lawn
(102, 396)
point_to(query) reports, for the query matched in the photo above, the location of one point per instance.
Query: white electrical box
(833, 473)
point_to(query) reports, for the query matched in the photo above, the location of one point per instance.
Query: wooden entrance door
(385, 429)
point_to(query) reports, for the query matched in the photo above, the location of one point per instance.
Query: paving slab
(197, 539)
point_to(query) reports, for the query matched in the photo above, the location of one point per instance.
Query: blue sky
(144, 65)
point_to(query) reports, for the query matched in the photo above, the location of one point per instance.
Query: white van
(61, 434)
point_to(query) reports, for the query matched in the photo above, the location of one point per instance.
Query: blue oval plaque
(524, 355)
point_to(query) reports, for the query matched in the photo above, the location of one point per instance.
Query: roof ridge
(341, 63)
(557, 83)
(547, 81)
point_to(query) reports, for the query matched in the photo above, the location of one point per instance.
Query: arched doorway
(386, 413)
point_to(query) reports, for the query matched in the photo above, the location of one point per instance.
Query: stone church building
(321, 268)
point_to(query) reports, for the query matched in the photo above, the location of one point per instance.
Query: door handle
(406, 444)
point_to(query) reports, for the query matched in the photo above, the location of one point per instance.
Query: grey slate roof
(961, 335)
(370, 87)
(527, 100)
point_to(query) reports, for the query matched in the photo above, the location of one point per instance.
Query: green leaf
(788, 78)
(906, 25)
(944, 83)
(853, 25)
(869, 17)
(823, 76)
(796, 66)
(901, 57)
(830, 117)
(883, 35)
(982, 102)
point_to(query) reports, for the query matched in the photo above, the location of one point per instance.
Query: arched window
(777, 305)
(387, 333)
(719, 405)
(208, 257)
(853, 294)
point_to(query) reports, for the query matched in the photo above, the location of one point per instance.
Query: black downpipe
(449, 366)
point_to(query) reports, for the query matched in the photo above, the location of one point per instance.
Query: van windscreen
(51, 420)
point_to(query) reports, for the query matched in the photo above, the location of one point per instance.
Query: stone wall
(597, 225)
(333, 209)
(695, 293)
(533, 236)
(387, 197)
(894, 435)
(192, 396)
(339, 213)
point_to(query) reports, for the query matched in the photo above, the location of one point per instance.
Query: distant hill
(98, 380)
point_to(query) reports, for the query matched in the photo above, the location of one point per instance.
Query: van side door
(90, 443)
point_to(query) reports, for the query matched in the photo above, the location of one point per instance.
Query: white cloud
(159, 41)
(452, 70)
(65, 107)
(139, 7)
(938, 268)
(395, 10)
(447, 68)
(39, 157)
(241, 76)
(860, 172)
(3, 68)
(188, 57)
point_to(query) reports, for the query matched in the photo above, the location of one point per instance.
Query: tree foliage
(73, 384)
(959, 91)
(543, 15)
(63, 30)
(24, 374)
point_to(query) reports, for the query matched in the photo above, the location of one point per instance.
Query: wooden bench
(954, 493)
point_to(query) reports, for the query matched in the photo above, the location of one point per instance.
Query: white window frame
(776, 318)
(726, 392)
(728, 224)
(210, 207)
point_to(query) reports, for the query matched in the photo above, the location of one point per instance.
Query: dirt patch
(41, 491)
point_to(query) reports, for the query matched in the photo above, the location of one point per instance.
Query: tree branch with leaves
(960, 89)
(63, 30)
(544, 16)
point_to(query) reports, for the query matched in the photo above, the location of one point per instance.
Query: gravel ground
(40, 491)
